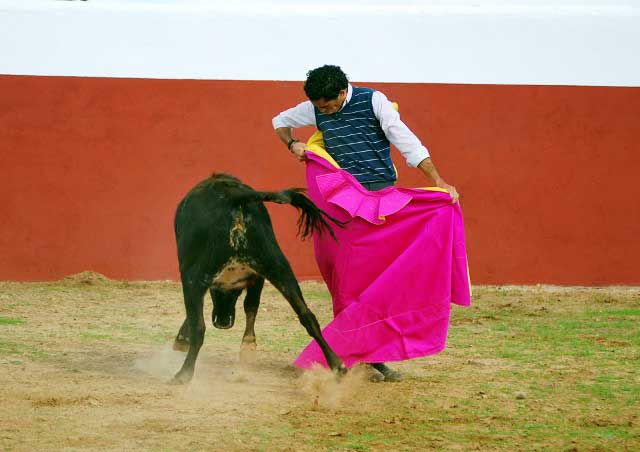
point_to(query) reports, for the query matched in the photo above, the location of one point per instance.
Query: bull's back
(220, 220)
(202, 218)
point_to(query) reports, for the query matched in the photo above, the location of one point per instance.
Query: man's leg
(380, 371)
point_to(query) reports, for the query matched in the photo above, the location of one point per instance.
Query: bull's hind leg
(251, 304)
(282, 277)
(193, 299)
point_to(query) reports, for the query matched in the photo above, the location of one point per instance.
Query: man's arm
(407, 143)
(429, 169)
(297, 148)
(299, 116)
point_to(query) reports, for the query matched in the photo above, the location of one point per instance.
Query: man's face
(329, 107)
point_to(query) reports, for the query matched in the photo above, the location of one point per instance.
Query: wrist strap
(291, 141)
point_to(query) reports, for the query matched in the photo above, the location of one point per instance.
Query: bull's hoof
(340, 371)
(181, 344)
(248, 352)
(181, 378)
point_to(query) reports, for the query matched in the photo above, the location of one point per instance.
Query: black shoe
(373, 375)
(389, 374)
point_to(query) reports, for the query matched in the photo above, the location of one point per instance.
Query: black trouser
(374, 186)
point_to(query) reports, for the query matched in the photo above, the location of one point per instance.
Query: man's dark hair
(325, 82)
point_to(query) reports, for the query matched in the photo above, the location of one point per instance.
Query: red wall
(91, 170)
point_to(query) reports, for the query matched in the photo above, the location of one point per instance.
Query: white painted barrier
(468, 42)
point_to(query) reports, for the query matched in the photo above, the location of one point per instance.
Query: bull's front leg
(284, 280)
(181, 342)
(193, 299)
(309, 321)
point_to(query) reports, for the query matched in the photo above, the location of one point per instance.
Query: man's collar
(348, 98)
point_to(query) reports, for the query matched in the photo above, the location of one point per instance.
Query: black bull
(226, 244)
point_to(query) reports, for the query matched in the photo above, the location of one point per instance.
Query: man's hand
(429, 169)
(297, 149)
(451, 189)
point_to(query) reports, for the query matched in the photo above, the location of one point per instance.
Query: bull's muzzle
(223, 322)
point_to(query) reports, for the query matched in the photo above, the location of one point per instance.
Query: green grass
(282, 339)
(10, 321)
(10, 348)
(616, 312)
(573, 363)
(14, 349)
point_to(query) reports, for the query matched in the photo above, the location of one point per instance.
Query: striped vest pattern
(354, 138)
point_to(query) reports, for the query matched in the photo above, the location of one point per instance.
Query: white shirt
(394, 129)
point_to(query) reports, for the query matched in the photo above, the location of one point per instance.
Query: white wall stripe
(565, 42)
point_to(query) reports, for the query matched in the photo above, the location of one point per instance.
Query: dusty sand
(84, 365)
(91, 362)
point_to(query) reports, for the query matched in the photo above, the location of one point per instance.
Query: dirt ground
(84, 365)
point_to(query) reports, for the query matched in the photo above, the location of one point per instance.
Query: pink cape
(396, 268)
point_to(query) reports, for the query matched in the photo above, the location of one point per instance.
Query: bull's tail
(312, 218)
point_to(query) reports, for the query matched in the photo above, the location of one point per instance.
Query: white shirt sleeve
(397, 131)
(299, 116)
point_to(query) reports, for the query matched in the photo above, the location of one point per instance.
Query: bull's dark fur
(226, 244)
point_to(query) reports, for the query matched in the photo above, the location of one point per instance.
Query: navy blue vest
(354, 138)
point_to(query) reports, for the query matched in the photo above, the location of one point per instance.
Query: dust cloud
(229, 380)
(326, 390)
